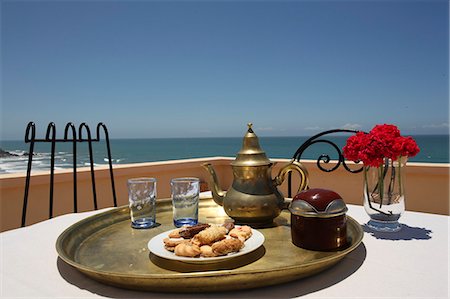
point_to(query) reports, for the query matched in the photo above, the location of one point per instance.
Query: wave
(434, 149)
(42, 162)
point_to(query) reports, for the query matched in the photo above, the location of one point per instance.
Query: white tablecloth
(411, 263)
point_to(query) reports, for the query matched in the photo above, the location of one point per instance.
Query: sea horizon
(217, 137)
(434, 149)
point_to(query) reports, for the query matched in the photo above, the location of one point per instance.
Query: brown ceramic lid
(318, 202)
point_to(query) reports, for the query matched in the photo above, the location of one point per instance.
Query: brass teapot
(253, 197)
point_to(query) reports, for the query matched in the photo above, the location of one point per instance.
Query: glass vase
(384, 194)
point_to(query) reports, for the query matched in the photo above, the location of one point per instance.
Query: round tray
(107, 249)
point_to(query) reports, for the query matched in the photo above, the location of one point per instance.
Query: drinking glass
(142, 202)
(185, 197)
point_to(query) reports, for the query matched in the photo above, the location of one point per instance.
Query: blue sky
(204, 68)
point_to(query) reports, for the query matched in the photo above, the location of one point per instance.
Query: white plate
(156, 246)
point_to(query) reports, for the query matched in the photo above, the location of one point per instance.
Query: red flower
(383, 141)
(355, 144)
(406, 146)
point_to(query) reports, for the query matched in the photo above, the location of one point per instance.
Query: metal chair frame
(50, 137)
(323, 158)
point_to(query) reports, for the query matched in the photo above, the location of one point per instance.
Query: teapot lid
(316, 202)
(251, 153)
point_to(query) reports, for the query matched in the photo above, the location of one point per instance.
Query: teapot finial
(251, 153)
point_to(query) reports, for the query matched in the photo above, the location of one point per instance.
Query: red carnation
(383, 141)
(406, 146)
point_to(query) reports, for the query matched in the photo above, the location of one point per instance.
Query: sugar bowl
(318, 220)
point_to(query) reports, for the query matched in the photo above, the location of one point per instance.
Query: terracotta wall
(427, 186)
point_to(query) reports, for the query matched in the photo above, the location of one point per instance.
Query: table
(411, 263)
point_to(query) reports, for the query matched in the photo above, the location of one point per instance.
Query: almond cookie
(227, 246)
(210, 235)
(170, 244)
(187, 249)
(241, 232)
(175, 233)
(207, 251)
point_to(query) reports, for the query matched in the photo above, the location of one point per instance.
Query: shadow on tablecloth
(331, 276)
(405, 233)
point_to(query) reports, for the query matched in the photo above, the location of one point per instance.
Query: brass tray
(107, 249)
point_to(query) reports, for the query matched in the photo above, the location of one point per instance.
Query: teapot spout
(217, 193)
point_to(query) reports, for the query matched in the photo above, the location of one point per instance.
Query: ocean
(434, 149)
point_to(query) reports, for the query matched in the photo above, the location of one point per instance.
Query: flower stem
(381, 183)
(370, 195)
(400, 183)
(391, 188)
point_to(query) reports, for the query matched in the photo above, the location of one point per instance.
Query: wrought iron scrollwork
(324, 159)
(50, 137)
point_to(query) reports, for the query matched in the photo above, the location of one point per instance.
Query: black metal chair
(30, 137)
(323, 158)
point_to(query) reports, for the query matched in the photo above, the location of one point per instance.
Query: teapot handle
(297, 166)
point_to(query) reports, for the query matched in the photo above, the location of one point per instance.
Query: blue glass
(142, 202)
(185, 197)
(145, 222)
(184, 221)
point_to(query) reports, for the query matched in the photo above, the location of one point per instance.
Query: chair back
(323, 159)
(74, 138)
